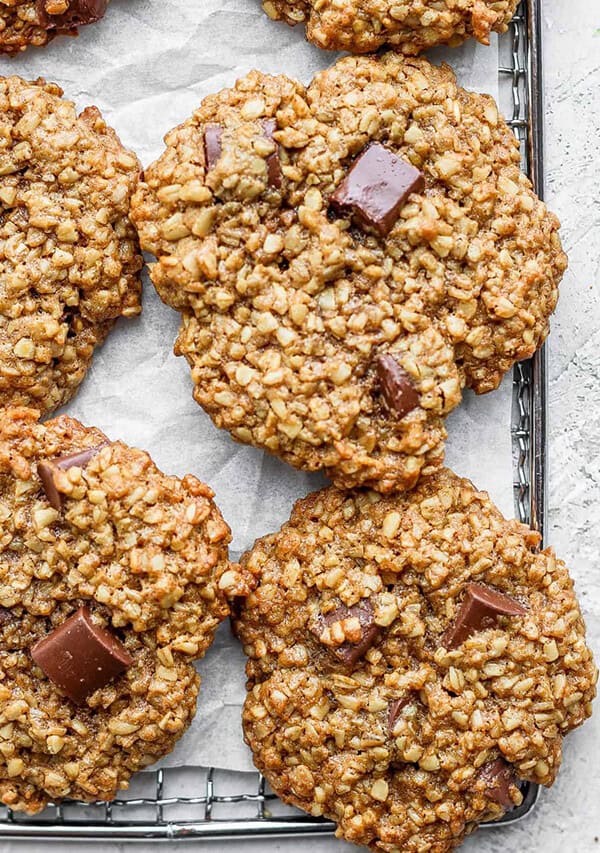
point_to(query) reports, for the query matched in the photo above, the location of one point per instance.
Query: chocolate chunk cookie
(113, 582)
(345, 258)
(412, 659)
(69, 256)
(360, 26)
(37, 22)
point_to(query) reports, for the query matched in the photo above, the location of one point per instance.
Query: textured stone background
(567, 819)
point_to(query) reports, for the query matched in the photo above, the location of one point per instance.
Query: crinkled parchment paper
(147, 66)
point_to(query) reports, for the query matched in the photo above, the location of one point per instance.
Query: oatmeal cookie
(113, 582)
(345, 258)
(37, 22)
(411, 660)
(360, 26)
(69, 256)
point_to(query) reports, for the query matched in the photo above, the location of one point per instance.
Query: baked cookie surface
(411, 659)
(25, 23)
(119, 572)
(361, 26)
(307, 235)
(69, 256)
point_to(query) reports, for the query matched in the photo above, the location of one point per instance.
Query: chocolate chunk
(212, 145)
(394, 710)
(349, 653)
(480, 610)
(80, 657)
(376, 188)
(80, 12)
(46, 470)
(498, 777)
(274, 173)
(398, 391)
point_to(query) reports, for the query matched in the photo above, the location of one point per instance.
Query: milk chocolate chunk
(212, 145)
(79, 12)
(46, 470)
(480, 610)
(349, 653)
(398, 391)
(80, 656)
(395, 709)
(376, 188)
(274, 173)
(498, 777)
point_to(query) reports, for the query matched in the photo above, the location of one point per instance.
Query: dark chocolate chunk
(398, 391)
(80, 657)
(274, 173)
(376, 188)
(46, 470)
(394, 710)
(80, 12)
(498, 777)
(212, 145)
(480, 610)
(349, 653)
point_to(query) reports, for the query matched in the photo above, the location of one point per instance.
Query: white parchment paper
(147, 66)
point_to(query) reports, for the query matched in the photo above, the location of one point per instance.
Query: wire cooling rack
(197, 803)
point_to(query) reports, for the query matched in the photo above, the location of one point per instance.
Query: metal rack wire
(521, 67)
(197, 803)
